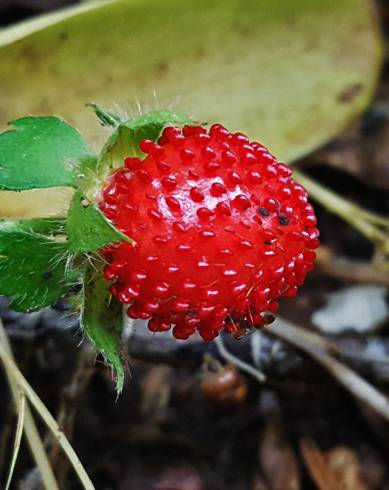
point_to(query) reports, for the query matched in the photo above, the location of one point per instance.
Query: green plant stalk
(32, 435)
(19, 380)
(367, 223)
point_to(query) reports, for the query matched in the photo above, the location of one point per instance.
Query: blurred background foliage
(291, 74)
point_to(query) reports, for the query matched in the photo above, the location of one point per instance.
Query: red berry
(221, 230)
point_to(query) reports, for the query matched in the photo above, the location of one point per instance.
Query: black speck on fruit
(263, 211)
(283, 220)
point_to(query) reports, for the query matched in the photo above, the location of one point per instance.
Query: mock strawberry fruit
(221, 230)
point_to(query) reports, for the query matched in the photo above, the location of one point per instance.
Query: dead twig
(371, 225)
(350, 270)
(21, 409)
(19, 381)
(312, 344)
(30, 429)
(243, 366)
(71, 395)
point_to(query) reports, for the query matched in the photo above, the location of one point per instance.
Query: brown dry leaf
(259, 484)
(338, 469)
(317, 465)
(277, 458)
(224, 386)
(346, 468)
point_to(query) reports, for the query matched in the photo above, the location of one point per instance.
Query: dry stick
(356, 385)
(6, 424)
(47, 418)
(32, 435)
(21, 409)
(364, 221)
(68, 406)
(349, 270)
(243, 366)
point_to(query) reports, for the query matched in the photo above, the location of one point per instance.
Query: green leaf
(291, 74)
(40, 152)
(150, 125)
(88, 229)
(102, 321)
(42, 226)
(32, 269)
(124, 141)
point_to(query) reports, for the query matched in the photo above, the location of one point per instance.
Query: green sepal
(106, 118)
(102, 321)
(88, 229)
(124, 141)
(33, 269)
(40, 152)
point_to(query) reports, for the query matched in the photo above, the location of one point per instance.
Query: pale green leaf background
(291, 74)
